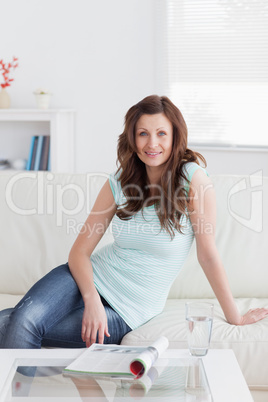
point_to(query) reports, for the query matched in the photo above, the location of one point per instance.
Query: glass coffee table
(37, 375)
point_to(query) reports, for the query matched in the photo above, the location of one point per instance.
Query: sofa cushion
(249, 342)
(7, 301)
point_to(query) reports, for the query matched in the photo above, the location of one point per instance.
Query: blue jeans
(50, 314)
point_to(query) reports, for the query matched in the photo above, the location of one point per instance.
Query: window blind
(212, 61)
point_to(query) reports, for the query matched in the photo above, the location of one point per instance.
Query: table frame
(224, 376)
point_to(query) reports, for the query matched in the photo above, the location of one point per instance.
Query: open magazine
(118, 361)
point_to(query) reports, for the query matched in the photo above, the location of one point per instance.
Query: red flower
(5, 70)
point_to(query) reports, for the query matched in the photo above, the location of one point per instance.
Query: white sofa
(41, 214)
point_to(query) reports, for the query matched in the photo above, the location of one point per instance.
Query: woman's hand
(203, 219)
(253, 316)
(94, 321)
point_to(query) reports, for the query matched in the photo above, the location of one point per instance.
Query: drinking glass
(199, 318)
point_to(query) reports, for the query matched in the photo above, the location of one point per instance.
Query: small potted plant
(5, 69)
(42, 98)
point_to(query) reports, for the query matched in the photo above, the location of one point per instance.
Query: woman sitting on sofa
(159, 199)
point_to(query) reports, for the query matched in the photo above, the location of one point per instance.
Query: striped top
(135, 272)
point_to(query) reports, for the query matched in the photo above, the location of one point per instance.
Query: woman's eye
(143, 133)
(161, 133)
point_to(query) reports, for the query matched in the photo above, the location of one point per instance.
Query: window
(212, 61)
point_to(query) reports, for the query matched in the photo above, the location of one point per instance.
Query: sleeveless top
(135, 272)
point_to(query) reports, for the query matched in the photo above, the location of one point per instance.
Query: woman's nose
(153, 141)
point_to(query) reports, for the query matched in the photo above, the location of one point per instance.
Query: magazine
(117, 360)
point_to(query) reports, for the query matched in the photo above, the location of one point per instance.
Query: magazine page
(139, 387)
(143, 362)
(118, 360)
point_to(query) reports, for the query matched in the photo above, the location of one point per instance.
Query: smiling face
(154, 138)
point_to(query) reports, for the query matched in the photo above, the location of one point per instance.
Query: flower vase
(4, 99)
(42, 101)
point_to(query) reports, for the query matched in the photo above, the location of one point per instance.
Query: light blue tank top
(135, 272)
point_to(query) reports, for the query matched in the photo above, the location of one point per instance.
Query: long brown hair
(132, 171)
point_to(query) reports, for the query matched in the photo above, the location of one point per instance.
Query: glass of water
(199, 318)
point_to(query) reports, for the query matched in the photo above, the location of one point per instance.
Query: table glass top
(169, 380)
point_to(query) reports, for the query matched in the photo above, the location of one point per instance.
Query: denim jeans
(50, 314)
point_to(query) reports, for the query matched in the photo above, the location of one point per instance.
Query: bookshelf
(61, 131)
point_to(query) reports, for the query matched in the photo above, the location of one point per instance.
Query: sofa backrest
(241, 239)
(42, 213)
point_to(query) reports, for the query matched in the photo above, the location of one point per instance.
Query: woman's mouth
(153, 154)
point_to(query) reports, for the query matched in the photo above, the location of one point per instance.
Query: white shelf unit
(61, 124)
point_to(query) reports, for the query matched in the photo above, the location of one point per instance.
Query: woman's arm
(94, 317)
(203, 219)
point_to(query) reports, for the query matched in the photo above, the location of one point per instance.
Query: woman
(159, 200)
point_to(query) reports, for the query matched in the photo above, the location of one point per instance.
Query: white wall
(95, 56)
(237, 161)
